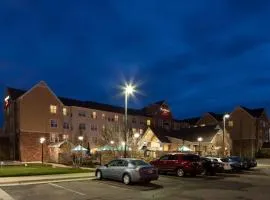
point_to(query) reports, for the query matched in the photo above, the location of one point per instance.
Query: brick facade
(30, 147)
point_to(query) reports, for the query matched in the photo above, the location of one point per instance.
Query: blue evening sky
(200, 56)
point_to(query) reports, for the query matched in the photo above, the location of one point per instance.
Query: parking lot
(253, 184)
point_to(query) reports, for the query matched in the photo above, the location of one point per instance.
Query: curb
(32, 182)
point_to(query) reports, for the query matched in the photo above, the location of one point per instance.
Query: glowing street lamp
(112, 142)
(226, 116)
(42, 140)
(200, 139)
(136, 135)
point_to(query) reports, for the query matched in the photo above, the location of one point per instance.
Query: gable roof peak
(254, 112)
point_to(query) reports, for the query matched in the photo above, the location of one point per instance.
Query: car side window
(113, 163)
(122, 163)
(172, 157)
(166, 157)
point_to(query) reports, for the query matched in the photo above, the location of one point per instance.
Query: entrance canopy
(79, 148)
(184, 149)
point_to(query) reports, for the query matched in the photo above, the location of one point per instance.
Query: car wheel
(180, 172)
(126, 179)
(99, 175)
(204, 172)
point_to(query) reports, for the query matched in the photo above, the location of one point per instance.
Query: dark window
(122, 163)
(113, 163)
(173, 157)
(82, 126)
(66, 125)
(191, 157)
(53, 123)
(138, 163)
(166, 157)
(82, 114)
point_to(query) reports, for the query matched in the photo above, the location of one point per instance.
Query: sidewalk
(44, 178)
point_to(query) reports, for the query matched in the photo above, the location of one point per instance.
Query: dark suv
(179, 163)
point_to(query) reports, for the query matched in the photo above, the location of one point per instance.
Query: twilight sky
(198, 55)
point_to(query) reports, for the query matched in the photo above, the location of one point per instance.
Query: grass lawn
(36, 169)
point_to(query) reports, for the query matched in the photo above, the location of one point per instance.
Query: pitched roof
(160, 102)
(189, 134)
(161, 134)
(191, 121)
(217, 116)
(256, 112)
(16, 93)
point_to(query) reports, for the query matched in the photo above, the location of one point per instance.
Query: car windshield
(225, 159)
(138, 163)
(238, 159)
(191, 157)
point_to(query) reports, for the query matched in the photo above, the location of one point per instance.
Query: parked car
(179, 163)
(248, 163)
(210, 167)
(235, 162)
(128, 171)
(225, 166)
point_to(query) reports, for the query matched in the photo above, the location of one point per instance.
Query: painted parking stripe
(4, 195)
(70, 190)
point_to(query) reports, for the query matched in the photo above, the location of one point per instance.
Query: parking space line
(70, 190)
(4, 195)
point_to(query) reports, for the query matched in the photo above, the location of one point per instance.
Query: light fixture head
(200, 139)
(112, 142)
(80, 138)
(42, 140)
(136, 135)
(123, 143)
(226, 116)
(129, 89)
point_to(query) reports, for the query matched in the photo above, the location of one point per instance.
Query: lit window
(53, 123)
(103, 116)
(82, 126)
(94, 115)
(230, 123)
(148, 122)
(66, 125)
(64, 111)
(141, 131)
(53, 108)
(116, 118)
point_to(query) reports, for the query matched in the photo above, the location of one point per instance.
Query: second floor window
(116, 118)
(66, 125)
(53, 109)
(82, 114)
(103, 116)
(82, 126)
(53, 123)
(134, 120)
(93, 127)
(148, 122)
(65, 111)
(94, 115)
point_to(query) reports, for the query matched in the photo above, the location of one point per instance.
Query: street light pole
(226, 116)
(129, 89)
(42, 140)
(126, 123)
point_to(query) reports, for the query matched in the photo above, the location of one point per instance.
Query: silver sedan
(128, 171)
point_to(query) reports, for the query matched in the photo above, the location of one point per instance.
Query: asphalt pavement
(244, 186)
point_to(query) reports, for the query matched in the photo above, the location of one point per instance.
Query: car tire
(126, 179)
(99, 175)
(204, 172)
(180, 172)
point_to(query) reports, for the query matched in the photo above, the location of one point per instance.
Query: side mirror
(106, 165)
